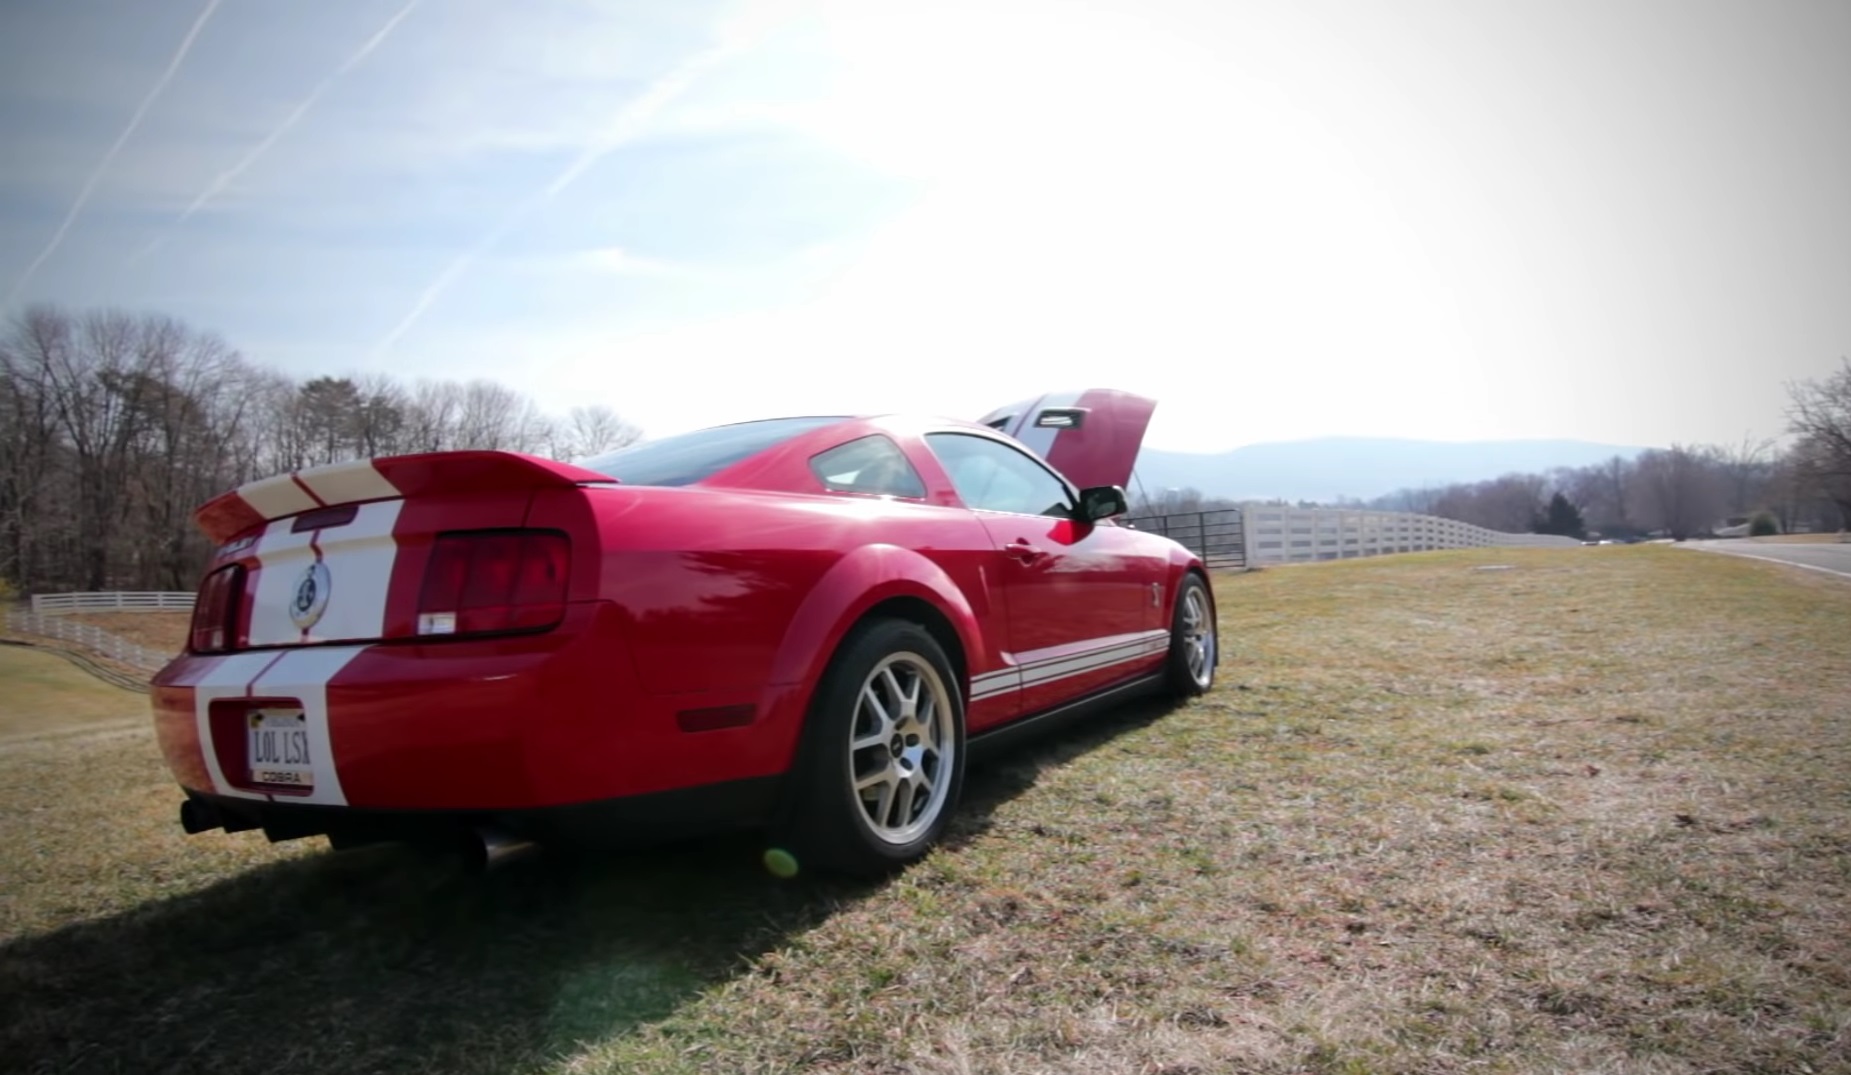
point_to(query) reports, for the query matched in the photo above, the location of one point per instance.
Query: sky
(1626, 221)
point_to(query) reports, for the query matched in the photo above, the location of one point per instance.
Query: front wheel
(1194, 644)
(881, 765)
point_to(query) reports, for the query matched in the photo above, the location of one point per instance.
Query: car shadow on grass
(998, 775)
(387, 959)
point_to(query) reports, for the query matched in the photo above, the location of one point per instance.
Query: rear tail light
(487, 581)
(215, 611)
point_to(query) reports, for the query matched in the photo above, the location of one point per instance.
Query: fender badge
(311, 599)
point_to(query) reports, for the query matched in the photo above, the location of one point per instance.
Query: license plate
(278, 748)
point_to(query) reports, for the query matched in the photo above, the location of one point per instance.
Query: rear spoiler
(255, 503)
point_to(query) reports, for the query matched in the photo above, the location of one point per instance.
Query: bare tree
(381, 425)
(100, 373)
(1421, 501)
(1515, 501)
(493, 416)
(114, 427)
(432, 415)
(589, 431)
(30, 458)
(1509, 503)
(1682, 489)
(1586, 489)
(1792, 499)
(1616, 476)
(1819, 414)
(1748, 470)
(186, 456)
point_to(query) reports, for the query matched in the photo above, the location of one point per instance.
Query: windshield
(688, 457)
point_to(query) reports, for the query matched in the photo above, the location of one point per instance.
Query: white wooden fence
(1279, 535)
(1257, 534)
(113, 601)
(92, 638)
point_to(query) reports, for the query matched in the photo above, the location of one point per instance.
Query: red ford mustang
(800, 624)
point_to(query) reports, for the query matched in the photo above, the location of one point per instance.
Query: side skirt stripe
(1051, 669)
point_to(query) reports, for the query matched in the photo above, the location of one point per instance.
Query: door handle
(1023, 551)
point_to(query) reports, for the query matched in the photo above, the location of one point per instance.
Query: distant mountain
(1329, 468)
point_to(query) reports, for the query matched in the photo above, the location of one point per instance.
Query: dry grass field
(1503, 810)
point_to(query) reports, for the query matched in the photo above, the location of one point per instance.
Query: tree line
(1680, 491)
(114, 426)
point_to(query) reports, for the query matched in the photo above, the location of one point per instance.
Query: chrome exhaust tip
(490, 849)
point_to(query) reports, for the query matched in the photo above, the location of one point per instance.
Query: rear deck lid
(339, 553)
(1091, 436)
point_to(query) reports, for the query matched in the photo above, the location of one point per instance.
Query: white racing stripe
(275, 497)
(1040, 440)
(292, 677)
(1119, 650)
(347, 483)
(303, 675)
(358, 556)
(228, 677)
(991, 684)
(1061, 668)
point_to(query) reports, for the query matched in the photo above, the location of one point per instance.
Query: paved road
(1833, 558)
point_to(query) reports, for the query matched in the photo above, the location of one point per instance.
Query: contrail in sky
(109, 158)
(226, 178)
(622, 129)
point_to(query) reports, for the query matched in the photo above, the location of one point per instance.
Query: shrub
(1763, 525)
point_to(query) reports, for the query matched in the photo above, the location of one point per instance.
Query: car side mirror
(1102, 502)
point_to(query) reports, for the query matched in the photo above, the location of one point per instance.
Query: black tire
(1195, 641)
(829, 824)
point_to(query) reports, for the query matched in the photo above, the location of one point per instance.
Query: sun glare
(1100, 190)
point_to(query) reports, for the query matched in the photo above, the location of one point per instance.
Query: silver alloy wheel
(901, 747)
(1198, 636)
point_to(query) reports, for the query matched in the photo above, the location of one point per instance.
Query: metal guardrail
(94, 639)
(114, 601)
(1218, 537)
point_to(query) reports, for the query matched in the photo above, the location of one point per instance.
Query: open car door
(1091, 436)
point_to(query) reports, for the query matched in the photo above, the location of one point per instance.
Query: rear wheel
(882, 760)
(1194, 644)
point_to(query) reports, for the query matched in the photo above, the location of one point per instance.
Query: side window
(991, 476)
(871, 464)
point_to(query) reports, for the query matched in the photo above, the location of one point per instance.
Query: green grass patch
(41, 693)
(1586, 813)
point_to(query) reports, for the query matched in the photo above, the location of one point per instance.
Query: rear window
(688, 457)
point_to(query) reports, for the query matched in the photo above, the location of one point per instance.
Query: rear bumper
(552, 724)
(636, 821)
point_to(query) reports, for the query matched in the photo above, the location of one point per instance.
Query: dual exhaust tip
(483, 847)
